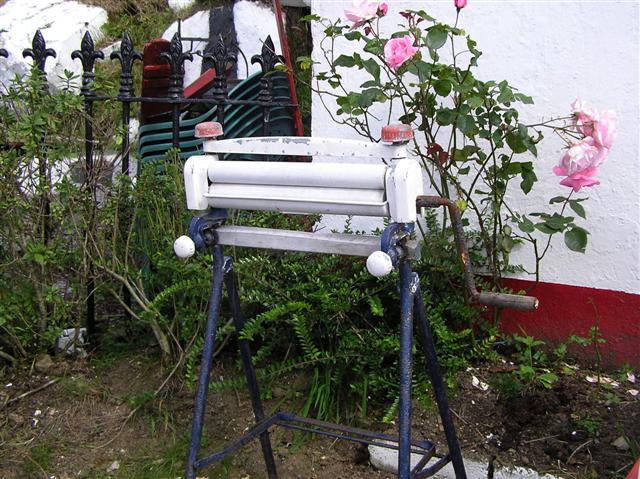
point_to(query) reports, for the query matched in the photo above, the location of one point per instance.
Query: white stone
(177, 5)
(557, 53)
(296, 3)
(62, 23)
(113, 467)
(387, 460)
(196, 26)
(246, 16)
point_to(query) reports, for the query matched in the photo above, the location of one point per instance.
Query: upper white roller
(332, 175)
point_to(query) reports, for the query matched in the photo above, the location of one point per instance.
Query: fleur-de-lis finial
(268, 58)
(39, 51)
(176, 58)
(127, 56)
(88, 56)
(220, 57)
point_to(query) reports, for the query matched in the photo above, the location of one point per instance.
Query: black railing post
(39, 52)
(220, 57)
(267, 61)
(126, 56)
(176, 59)
(87, 56)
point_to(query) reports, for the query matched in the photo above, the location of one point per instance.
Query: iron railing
(126, 56)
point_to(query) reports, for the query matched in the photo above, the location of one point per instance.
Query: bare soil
(97, 421)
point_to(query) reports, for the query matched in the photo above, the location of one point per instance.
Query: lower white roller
(299, 199)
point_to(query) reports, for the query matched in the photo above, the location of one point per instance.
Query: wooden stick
(33, 391)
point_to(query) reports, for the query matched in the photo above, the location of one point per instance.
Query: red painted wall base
(565, 310)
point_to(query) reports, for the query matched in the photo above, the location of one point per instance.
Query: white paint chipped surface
(62, 22)
(555, 51)
(387, 460)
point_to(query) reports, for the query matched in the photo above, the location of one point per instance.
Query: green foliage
(38, 253)
(468, 133)
(533, 359)
(341, 324)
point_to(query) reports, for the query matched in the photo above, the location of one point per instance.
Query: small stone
(16, 419)
(279, 392)
(114, 466)
(621, 443)
(43, 363)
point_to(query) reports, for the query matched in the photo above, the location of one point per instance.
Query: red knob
(208, 129)
(397, 133)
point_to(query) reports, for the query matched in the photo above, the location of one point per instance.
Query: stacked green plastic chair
(240, 121)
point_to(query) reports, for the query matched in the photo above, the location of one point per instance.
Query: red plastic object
(397, 133)
(201, 85)
(155, 81)
(634, 473)
(208, 129)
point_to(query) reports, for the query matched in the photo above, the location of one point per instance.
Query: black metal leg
(207, 359)
(407, 288)
(249, 371)
(426, 341)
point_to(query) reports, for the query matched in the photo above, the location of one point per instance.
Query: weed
(586, 423)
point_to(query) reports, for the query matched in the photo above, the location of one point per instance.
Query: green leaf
(547, 379)
(576, 239)
(545, 229)
(345, 61)
(578, 208)
(376, 306)
(311, 18)
(436, 37)
(516, 142)
(442, 87)
(374, 46)
(421, 69)
(445, 117)
(475, 101)
(526, 225)
(465, 123)
(353, 35)
(373, 68)
(528, 179)
(557, 199)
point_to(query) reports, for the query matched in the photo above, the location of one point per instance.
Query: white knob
(379, 264)
(184, 247)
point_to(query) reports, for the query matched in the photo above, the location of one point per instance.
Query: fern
(256, 326)
(311, 352)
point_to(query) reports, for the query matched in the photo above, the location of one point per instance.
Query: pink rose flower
(578, 180)
(363, 11)
(460, 4)
(582, 155)
(604, 128)
(399, 50)
(583, 117)
(599, 125)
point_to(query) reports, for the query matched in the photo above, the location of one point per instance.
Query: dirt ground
(82, 426)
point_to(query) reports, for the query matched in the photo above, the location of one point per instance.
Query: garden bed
(85, 427)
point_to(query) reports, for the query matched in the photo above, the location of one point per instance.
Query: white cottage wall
(555, 51)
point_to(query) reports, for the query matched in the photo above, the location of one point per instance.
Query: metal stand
(411, 301)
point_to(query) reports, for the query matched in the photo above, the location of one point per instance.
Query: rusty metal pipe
(500, 300)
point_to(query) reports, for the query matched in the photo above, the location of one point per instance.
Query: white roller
(333, 175)
(299, 199)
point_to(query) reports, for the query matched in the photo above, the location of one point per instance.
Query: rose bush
(469, 137)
